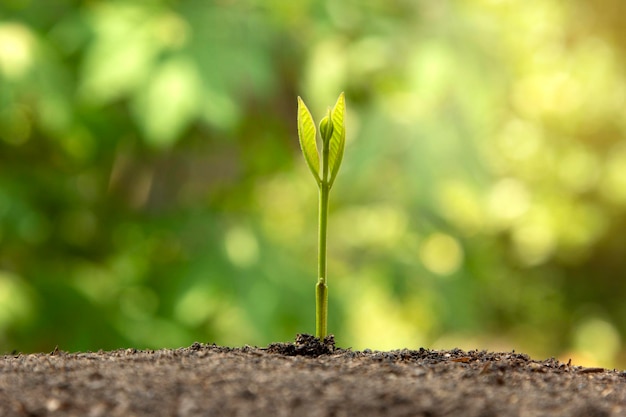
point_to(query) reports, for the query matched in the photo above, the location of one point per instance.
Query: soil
(305, 378)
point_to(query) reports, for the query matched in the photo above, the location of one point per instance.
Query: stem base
(321, 309)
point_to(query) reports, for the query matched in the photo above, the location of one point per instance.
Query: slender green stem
(321, 289)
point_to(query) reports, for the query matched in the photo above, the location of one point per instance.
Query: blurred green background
(153, 194)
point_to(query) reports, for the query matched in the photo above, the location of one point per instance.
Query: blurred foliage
(152, 194)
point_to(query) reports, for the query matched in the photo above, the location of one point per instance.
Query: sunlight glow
(598, 340)
(441, 254)
(16, 50)
(508, 200)
(242, 247)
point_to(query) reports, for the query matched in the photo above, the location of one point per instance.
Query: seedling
(324, 169)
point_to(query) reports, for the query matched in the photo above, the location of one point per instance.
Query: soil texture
(305, 378)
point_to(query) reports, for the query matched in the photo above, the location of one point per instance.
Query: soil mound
(306, 378)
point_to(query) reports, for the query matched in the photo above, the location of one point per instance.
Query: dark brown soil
(306, 378)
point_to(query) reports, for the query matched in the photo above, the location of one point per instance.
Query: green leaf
(306, 134)
(338, 139)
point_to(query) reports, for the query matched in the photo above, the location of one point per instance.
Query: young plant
(324, 168)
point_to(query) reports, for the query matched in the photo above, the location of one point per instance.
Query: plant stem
(321, 289)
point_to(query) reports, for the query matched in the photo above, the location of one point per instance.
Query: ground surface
(305, 378)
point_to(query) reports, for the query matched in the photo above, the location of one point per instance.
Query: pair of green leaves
(333, 133)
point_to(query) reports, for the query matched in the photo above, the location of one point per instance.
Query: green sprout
(333, 133)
